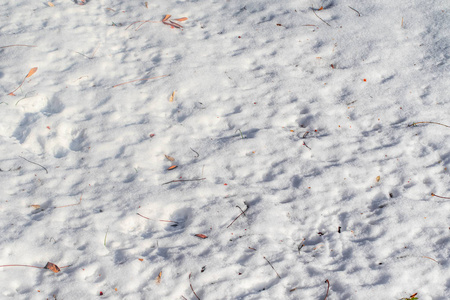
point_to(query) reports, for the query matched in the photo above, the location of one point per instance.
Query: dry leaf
(158, 279)
(201, 236)
(169, 157)
(172, 97)
(166, 18)
(378, 178)
(35, 206)
(50, 4)
(52, 267)
(181, 19)
(172, 167)
(32, 71)
(141, 259)
(146, 4)
(320, 8)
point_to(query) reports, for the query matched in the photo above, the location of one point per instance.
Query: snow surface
(250, 79)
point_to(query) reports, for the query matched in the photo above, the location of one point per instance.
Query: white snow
(275, 111)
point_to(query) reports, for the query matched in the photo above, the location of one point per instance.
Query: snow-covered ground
(294, 112)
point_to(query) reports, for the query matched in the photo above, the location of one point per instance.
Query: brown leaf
(35, 206)
(378, 178)
(172, 97)
(146, 4)
(169, 157)
(141, 259)
(201, 236)
(158, 278)
(52, 267)
(32, 71)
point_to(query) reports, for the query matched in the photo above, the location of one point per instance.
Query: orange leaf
(141, 259)
(201, 236)
(320, 8)
(172, 97)
(181, 19)
(52, 267)
(172, 167)
(35, 206)
(169, 157)
(32, 71)
(51, 4)
(166, 18)
(158, 278)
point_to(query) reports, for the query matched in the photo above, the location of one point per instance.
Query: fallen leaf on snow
(52, 267)
(201, 236)
(169, 157)
(158, 278)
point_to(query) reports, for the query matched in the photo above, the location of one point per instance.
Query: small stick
(328, 289)
(431, 259)
(304, 144)
(17, 46)
(182, 180)
(143, 79)
(272, 267)
(434, 195)
(415, 124)
(158, 220)
(71, 204)
(301, 246)
(35, 164)
(241, 209)
(198, 155)
(104, 242)
(192, 287)
(306, 133)
(359, 15)
(242, 213)
(320, 17)
(22, 266)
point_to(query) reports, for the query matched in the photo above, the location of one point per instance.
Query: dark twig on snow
(319, 17)
(182, 180)
(434, 195)
(272, 267)
(198, 155)
(328, 289)
(415, 124)
(242, 213)
(192, 287)
(359, 15)
(35, 164)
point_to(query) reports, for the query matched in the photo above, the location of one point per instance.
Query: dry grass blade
(314, 11)
(415, 124)
(71, 204)
(35, 164)
(272, 267)
(192, 287)
(434, 195)
(30, 73)
(184, 180)
(328, 289)
(17, 46)
(143, 79)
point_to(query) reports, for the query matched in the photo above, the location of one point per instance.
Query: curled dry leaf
(172, 97)
(158, 278)
(169, 157)
(202, 236)
(52, 267)
(32, 71)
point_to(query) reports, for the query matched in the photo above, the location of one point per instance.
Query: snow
(276, 113)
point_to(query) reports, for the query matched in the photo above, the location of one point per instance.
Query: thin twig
(143, 79)
(240, 209)
(22, 266)
(320, 17)
(168, 221)
(17, 46)
(304, 144)
(182, 180)
(34, 163)
(434, 195)
(415, 124)
(299, 247)
(431, 259)
(328, 289)
(242, 213)
(272, 267)
(198, 155)
(192, 287)
(71, 204)
(359, 15)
